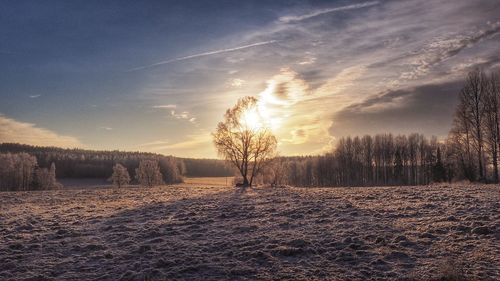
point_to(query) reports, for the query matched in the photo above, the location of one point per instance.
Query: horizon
(157, 77)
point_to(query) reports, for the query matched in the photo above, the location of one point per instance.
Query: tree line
(25, 167)
(83, 163)
(378, 160)
(20, 171)
(206, 168)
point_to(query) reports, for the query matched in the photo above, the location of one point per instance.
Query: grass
(211, 181)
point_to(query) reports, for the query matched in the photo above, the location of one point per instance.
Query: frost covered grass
(213, 233)
(210, 181)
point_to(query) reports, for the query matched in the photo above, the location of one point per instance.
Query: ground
(221, 233)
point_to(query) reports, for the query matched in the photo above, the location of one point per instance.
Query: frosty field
(214, 233)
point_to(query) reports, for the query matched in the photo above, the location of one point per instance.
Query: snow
(214, 233)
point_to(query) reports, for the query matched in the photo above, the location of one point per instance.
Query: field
(188, 232)
(209, 181)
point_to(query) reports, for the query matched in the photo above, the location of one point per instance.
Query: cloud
(170, 106)
(21, 132)
(193, 145)
(300, 115)
(424, 109)
(443, 48)
(185, 115)
(34, 96)
(181, 115)
(337, 87)
(289, 19)
(105, 128)
(154, 143)
(309, 59)
(237, 82)
(192, 141)
(209, 53)
(354, 69)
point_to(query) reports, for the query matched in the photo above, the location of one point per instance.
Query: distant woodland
(81, 163)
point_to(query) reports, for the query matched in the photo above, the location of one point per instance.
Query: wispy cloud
(209, 53)
(153, 143)
(170, 106)
(183, 115)
(34, 96)
(356, 66)
(192, 145)
(289, 19)
(442, 49)
(191, 141)
(15, 131)
(236, 82)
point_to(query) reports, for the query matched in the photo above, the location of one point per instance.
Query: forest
(20, 163)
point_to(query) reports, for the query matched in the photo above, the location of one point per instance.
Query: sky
(157, 76)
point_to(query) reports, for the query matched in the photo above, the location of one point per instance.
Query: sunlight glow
(252, 120)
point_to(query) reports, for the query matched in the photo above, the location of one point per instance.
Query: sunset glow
(320, 70)
(253, 120)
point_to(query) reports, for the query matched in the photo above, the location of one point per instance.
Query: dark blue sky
(157, 75)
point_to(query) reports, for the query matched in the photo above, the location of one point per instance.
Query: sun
(252, 119)
(260, 117)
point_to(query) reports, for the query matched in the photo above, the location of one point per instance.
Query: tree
(24, 168)
(17, 171)
(492, 122)
(473, 95)
(170, 170)
(243, 139)
(275, 172)
(438, 169)
(52, 175)
(475, 135)
(120, 176)
(148, 174)
(46, 178)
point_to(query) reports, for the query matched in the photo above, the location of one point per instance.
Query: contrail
(287, 19)
(204, 54)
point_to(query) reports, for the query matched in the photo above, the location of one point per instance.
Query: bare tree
(275, 172)
(120, 176)
(148, 174)
(460, 141)
(475, 133)
(171, 170)
(17, 171)
(492, 122)
(244, 140)
(46, 178)
(473, 95)
(52, 175)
